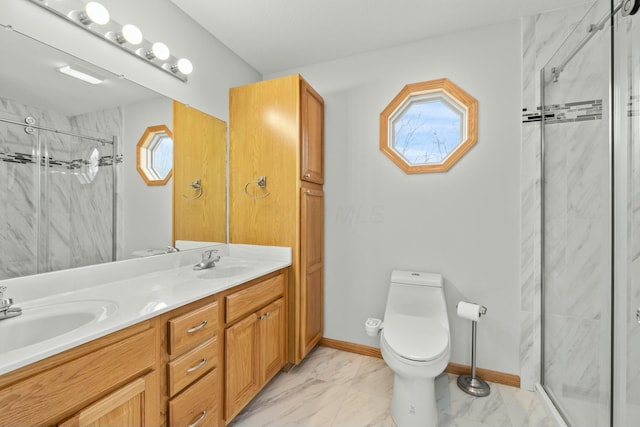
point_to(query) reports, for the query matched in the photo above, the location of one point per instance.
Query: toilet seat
(418, 339)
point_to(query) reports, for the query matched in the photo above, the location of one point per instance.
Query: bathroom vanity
(171, 346)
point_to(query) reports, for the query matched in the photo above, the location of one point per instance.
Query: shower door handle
(638, 315)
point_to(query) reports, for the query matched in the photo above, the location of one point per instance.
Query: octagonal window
(428, 126)
(155, 155)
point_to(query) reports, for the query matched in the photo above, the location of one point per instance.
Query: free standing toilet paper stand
(469, 383)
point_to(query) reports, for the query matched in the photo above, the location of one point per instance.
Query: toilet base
(413, 402)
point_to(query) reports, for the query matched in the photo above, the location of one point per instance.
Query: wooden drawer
(193, 328)
(198, 401)
(251, 299)
(190, 366)
(41, 398)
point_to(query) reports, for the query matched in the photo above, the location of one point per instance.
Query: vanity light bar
(95, 18)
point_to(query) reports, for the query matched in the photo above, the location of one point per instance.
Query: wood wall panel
(263, 130)
(199, 147)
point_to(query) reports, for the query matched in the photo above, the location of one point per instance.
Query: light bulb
(160, 50)
(132, 34)
(96, 13)
(185, 66)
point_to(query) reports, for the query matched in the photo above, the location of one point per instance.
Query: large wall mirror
(71, 193)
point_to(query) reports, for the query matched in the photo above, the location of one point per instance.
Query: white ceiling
(278, 35)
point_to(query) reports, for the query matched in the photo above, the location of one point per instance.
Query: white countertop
(127, 292)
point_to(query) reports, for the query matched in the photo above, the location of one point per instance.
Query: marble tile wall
(577, 260)
(17, 243)
(542, 35)
(76, 215)
(92, 210)
(627, 63)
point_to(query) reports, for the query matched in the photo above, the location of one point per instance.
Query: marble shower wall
(542, 36)
(627, 238)
(76, 216)
(92, 210)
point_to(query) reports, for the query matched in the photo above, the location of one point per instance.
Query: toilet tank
(417, 294)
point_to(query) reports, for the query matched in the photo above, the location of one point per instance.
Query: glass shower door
(19, 181)
(627, 119)
(576, 229)
(58, 192)
(77, 201)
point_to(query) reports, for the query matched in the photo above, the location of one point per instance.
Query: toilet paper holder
(372, 326)
(470, 310)
(470, 384)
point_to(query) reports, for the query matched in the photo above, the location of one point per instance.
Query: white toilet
(415, 344)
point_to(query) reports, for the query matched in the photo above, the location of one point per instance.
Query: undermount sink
(40, 323)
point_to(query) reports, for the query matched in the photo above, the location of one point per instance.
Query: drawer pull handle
(197, 328)
(199, 420)
(198, 366)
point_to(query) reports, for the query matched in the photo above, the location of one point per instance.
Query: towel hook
(260, 182)
(196, 185)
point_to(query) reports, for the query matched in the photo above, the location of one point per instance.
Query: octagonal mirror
(428, 126)
(154, 155)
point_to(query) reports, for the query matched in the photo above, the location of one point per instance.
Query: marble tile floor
(337, 388)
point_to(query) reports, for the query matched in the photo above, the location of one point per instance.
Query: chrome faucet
(172, 249)
(209, 259)
(6, 309)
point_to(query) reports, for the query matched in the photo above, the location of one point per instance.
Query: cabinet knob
(307, 175)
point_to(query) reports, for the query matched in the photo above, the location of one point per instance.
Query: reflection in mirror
(154, 155)
(71, 192)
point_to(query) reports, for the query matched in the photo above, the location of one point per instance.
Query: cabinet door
(199, 152)
(272, 339)
(242, 364)
(124, 407)
(312, 134)
(312, 275)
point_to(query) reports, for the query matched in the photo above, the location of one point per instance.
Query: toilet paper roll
(470, 311)
(372, 326)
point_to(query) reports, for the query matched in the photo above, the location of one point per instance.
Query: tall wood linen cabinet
(276, 173)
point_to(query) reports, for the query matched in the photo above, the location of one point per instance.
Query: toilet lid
(416, 338)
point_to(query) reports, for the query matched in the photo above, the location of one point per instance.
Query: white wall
(463, 223)
(216, 68)
(147, 209)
